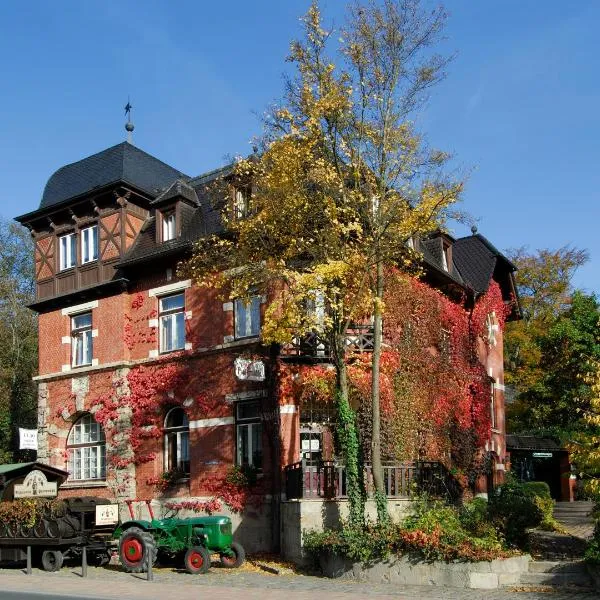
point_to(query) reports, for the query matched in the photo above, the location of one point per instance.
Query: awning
(532, 442)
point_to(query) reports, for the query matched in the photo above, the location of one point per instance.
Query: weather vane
(129, 125)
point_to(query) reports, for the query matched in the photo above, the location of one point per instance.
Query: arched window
(177, 441)
(86, 448)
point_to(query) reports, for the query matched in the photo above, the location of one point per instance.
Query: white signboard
(28, 439)
(107, 514)
(249, 370)
(35, 485)
(314, 445)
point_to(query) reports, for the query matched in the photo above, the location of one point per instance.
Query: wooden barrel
(40, 528)
(52, 529)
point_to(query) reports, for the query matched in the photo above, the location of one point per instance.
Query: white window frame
(241, 202)
(493, 417)
(492, 328)
(181, 434)
(89, 244)
(245, 428)
(250, 309)
(86, 450)
(170, 316)
(444, 258)
(67, 251)
(168, 226)
(81, 334)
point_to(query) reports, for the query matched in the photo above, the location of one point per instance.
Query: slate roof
(531, 442)
(178, 189)
(476, 258)
(121, 163)
(432, 250)
(197, 222)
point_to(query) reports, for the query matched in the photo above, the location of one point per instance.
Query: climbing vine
(434, 388)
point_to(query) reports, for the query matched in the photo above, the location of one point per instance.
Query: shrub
(538, 488)
(475, 519)
(364, 544)
(513, 510)
(28, 511)
(434, 531)
(592, 553)
(543, 500)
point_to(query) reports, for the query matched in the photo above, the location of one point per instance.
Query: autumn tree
(18, 338)
(585, 444)
(342, 183)
(533, 365)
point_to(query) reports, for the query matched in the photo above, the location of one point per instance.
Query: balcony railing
(327, 479)
(359, 338)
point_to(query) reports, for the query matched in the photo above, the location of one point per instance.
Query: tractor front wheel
(135, 546)
(236, 558)
(197, 560)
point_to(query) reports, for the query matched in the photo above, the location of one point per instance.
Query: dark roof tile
(178, 189)
(121, 163)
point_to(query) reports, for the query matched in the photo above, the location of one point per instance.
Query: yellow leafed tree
(341, 184)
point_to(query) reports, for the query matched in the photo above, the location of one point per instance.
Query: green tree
(18, 339)
(568, 348)
(544, 284)
(343, 182)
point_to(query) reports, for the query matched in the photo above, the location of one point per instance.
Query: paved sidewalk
(220, 584)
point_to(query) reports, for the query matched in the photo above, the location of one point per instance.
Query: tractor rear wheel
(135, 546)
(197, 560)
(52, 560)
(236, 559)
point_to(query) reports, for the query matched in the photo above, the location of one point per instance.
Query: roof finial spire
(129, 127)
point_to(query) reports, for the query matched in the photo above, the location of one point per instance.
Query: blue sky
(520, 107)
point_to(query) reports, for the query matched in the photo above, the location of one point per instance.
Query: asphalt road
(12, 595)
(224, 584)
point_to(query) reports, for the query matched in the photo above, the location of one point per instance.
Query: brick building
(109, 232)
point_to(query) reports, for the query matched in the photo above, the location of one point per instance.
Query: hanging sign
(249, 370)
(28, 439)
(35, 485)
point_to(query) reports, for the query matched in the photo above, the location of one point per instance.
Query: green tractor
(193, 540)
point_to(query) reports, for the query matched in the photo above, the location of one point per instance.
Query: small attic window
(168, 226)
(241, 202)
(444, 260)
(446, 256)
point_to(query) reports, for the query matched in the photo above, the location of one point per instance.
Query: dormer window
(89, 244)
(446, 256)
(68, 251)
(241, 202)
(444, 260)
(168, 226)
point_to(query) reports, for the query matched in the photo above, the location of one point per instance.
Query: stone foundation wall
(300, 515)
(406, 570)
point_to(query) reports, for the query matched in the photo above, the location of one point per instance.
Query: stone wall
(405, 570)
(300, 515)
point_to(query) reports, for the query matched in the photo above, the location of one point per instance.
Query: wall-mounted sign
(107, 514)
(249, 370)
(312, 445)
(35, 485)
(542, 455)
(28, 439)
